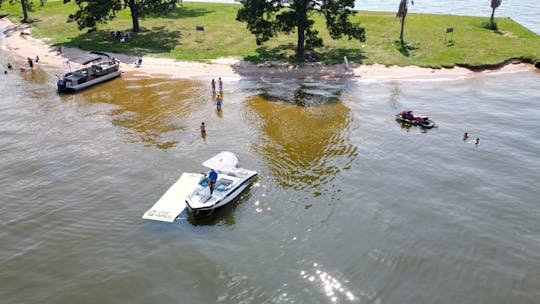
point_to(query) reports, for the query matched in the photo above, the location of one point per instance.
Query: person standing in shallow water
(213, 82)
(220, 84)
(219, 100)
(203, 129)
(465, 136)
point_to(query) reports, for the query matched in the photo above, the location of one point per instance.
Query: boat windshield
(204, 182)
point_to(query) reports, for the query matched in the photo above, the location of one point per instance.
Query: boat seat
(223, 184)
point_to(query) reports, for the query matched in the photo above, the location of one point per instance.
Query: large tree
(92, 12)
(27, 6)
(402, 13)
(494, 5)
(266, 18)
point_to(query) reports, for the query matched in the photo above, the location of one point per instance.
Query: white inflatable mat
(173, 202)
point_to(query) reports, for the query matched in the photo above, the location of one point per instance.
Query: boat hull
(428, 124)
(90, 83)
(233, 194)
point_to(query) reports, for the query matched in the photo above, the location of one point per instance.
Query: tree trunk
(135, 21)
(300, 50)
(492, 16)
(134, 15)
(402, 27)
(25, 11)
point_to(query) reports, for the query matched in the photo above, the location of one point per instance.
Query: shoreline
(17, 40)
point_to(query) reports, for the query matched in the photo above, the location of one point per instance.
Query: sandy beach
(17, 39)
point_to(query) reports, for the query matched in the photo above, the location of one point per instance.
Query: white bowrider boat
(231, 181)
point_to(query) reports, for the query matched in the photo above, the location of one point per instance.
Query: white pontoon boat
(94, 71)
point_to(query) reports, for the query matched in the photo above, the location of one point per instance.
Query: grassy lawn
(174, 36)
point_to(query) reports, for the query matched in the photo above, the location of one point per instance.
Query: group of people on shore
(30, 62)
(218, 100)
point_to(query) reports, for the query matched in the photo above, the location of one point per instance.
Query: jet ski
(408, 117)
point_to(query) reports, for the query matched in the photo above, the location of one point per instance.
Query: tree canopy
(92, 12)
(266, 18)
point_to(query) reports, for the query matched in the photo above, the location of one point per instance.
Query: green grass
(174, 36)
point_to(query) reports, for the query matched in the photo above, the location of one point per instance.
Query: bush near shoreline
(471, 44)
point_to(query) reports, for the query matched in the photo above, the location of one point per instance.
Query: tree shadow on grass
(286, 53)
(281, 61)
(147, 41)
(402, 48)
(336, 56)
(492, 27)
(183, 13)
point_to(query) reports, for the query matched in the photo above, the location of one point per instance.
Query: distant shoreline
(24, 46)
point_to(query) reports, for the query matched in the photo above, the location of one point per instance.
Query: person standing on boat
(213, 178)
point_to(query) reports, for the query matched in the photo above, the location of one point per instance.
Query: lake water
(349, 206)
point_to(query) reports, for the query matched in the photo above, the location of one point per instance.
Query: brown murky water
(349, 206)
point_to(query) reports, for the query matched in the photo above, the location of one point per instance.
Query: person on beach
(9, 66)
(213, 82)
(30, 62)
(37, 59)
(212, 177)
(220, 84)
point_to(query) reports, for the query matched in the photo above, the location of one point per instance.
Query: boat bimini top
(223, 161)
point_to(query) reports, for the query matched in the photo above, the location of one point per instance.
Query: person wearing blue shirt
(213, 178)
